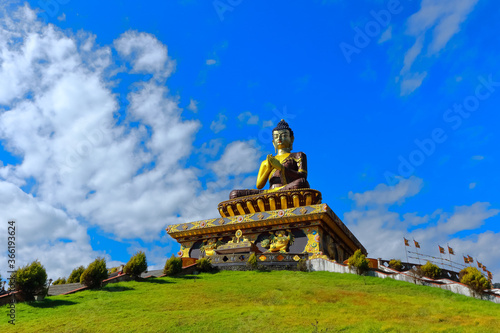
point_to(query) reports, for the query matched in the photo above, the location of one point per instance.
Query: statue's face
(282, 139)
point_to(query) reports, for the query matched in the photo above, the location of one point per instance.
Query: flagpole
(406, 243)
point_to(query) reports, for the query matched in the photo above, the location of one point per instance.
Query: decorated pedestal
(277, 236)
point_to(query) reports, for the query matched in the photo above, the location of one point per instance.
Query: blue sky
(118, 118)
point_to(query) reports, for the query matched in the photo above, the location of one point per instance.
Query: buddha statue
(284, 171)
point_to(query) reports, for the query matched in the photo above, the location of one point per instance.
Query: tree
(472, 277)
(430, 270)
(173, 266)
(496, 285)
(359, 262)
(396, 264)
(252, 262)
(95, 273)
(31, 280)
(75, 275)
(59, 281)
(136, 265)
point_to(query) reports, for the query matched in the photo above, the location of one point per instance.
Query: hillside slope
(259, 302)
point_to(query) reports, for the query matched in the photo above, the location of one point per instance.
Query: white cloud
(248, 118)
(87, 169)
(411, 82)
(218, 125)
(387, 195)
(387, 35)
(193, 105)
(211, 62)
(230, 162)
(472, 185)
(438, 19)
(146, 53)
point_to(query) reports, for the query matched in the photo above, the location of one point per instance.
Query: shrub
(95, 273)
(59, 281)
(252, 262)
(302, 265)
(430, 270)
(359, 262)
(173, 266)
(473, 278)
(31, 280)
(396, 264)
(136, 265)
(75, 275)
(112, 270)
(204, 265)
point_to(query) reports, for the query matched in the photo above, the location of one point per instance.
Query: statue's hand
(274, 162)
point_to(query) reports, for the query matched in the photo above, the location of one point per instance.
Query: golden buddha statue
(285, 170)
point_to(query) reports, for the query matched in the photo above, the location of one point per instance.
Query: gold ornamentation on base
(313, 239)
(296, 258)
(283, 202)
(278, 242)
(240, 209)
(308, 199)
(250, 207)
(272, 203)
(261, 205)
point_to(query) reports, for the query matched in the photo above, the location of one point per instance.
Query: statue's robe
(293, 177)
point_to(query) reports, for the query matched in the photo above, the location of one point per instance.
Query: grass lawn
(258, 302)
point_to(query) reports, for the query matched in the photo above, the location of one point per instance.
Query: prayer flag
(441, 249)
(466, 260)
(451, 250)
(471, 260)
(406, 242)
(479, 265)
(416, 244)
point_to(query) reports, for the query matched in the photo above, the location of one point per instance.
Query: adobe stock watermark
(223, 6)
(454, 118)
(50, 8)
(372, 29)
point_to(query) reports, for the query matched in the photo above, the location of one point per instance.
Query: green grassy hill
(259, 302)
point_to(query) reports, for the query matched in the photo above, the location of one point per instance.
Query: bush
(430, 270)
(359, 262)
(112, 270)
(95, 273)
(75, 275)
(396, 264)
(252, 262)
(473, 278)
(31, 280)
(302, 265)
(204, 265)
(173, 266)
(59, 281)
(136, 265)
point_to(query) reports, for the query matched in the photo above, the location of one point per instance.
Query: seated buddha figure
(285, 171)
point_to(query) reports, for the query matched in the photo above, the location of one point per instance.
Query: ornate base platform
(271, 261)
(269, 201)
(312, 230)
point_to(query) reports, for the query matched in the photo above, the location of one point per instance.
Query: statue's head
(283, 136)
